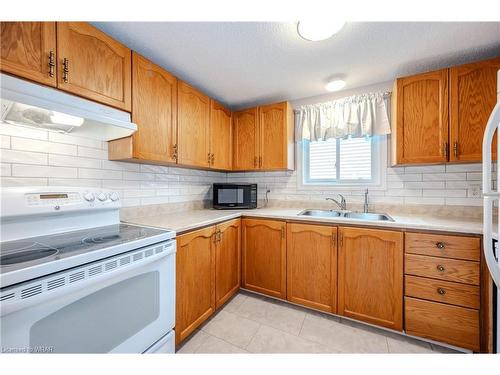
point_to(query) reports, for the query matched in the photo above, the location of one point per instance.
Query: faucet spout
(342, 204)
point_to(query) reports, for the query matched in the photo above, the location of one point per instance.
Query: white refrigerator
(491, 200)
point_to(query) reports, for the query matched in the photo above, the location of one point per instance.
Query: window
(341, 161)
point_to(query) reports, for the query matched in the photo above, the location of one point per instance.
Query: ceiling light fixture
(335, 85)
(319, 30)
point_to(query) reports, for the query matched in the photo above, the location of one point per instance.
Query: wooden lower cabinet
(227, 261)
(264, 256)
(195, 280)
(311, 262)
(370, 279)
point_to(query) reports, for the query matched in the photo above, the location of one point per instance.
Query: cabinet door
(420, 131)
(371, 276)
(27, 50)
(473, 94)
(227, 261)
(264, 256)
(98, 67)
(154, 110)
(221, 136)
(275, 136)
(195, 280)
(193, 117)
(246, 140)
(311, 261)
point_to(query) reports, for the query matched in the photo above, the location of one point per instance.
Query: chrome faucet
(365, 207)
(342, 204)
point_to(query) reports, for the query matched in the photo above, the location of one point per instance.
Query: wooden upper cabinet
(245, 139)
(221, 137)
(264, 256)
(276, 137)
(370, 277)
(28, 50)
(193, 118)
(227, 261)
(195, 280)
(311, 262)
(93, 65)
(473, 94)
(154, 110)
(420, 119)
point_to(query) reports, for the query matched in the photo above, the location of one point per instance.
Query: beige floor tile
(402, 344)
(232, 328)
(285, 318)
(272, 340)
(234, 303)
(342, 338)
(215, 345)
(193, 343)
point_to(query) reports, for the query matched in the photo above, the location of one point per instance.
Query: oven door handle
(9, 306)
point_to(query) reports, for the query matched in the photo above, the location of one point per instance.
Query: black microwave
(228, 196)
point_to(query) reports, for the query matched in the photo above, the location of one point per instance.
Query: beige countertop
(193, 219)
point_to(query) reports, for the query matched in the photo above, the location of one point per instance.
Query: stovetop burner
(26, 256)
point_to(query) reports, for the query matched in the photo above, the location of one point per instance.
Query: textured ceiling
(247, 63)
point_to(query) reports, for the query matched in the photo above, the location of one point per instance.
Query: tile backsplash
(38, 157)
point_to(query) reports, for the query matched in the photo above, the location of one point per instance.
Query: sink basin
(348, 215)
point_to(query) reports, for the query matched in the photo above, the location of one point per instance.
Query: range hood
(25, 103)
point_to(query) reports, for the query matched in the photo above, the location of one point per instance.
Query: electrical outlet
(475, 191)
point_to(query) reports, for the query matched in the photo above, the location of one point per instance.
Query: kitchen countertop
(193, 219)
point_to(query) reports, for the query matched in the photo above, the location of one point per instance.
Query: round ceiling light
(335, 85)
(318, 30)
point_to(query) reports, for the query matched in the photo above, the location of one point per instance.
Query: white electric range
(73, 279)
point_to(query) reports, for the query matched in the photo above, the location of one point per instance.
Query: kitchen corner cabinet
(195, 280)
(221, 155)
(93, 65)
(193, 121)
(28, 50)
(227, 261)
(264, 256)
(154, 110)
(311, 262)
(370, 276)
(264, 138)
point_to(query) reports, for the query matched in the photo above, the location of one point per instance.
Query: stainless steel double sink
(347, 215)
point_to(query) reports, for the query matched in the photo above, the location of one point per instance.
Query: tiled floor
(254, 324)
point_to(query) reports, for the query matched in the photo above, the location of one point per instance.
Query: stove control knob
(89, 197)
(114, 197)
(102, 197)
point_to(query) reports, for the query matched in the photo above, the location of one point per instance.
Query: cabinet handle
(341, 239)
(255, 161)
(215, 237)
(441, 291)
(212, 159)
(334, 240)
(209, 158)
(445, 150)
(260, 161)
(65, 70)
(175, 154)
(52, 63)
(440, 268)
(455, 149)
(440, 245)
(219, 235)
(282, 232)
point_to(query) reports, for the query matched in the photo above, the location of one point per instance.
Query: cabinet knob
(440, 245)
(441, 291)
(440, 268)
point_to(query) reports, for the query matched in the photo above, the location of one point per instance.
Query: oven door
(122, 304)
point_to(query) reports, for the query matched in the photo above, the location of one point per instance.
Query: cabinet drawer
(443, 291)
(458, 247)
(459, 271)
(451, 324)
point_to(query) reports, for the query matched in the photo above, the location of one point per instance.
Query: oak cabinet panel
(193, 118)
(370, 279)
(312, 266)
(443, 246)
(28, 50)
(221, 137)
(195, 280)
(154, 110)
(420, 118)
(97, 66)
(246, 139)
(227, 261)
(264, 256)
(473, 95)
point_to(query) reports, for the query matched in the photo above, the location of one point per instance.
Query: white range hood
(25, 103)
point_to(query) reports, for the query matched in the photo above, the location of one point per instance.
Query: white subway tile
(138, 193)
(477, 167)
(73, 161)
(405, 177)
(445, 193)
(23, 157)
(4, 141)
(443, 176)
(5, 170)
(464, 201)
(95, 153)
(404, 192)
(120, 166)
(23, 170)
(36, 145)
(153, 168)
(22, 131)
(138, 176)
(79, 182)
(72, 140)
(424, 185)
(425, 200)
(425, 169)
(99, 174)
(20, 181)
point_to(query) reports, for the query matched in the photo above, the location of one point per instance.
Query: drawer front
(436, 321)
(460, 271)
(443, 291)
(466, 248)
